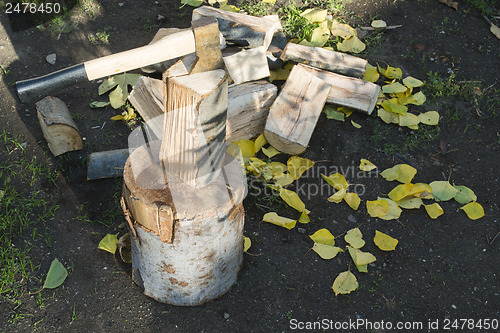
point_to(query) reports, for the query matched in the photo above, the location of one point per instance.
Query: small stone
(301, 230)
(351, 218)
(226, 315)
(51, 58)
(120, 4)
(454, 306)
(160, 17)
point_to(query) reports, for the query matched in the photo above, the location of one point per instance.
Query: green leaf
(392, 105)
(56, 275)
(394, 87)
(442, 190)
(331, 113)
(411, 82)
(464, 194)
(108, 243)
(118, 96)
(355, 124)
(97, 104)
(192, 3)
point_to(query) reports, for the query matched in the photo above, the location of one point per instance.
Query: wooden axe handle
(169, 47)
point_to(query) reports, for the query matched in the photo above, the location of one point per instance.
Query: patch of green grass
(294, 25)
(436, 86)
(99, 38)
(256, 8)
(485, 7)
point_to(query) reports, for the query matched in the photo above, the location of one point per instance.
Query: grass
(99, 38)
(485, 7)
(24, 210)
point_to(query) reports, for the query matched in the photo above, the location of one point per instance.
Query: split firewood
(247, 65)
(241, 29)
(181, 67)
(325, 59)
(58, 127)
(207, 45)
(348, 91)
(195, 126)
(248, 106)
(295, 112)
(107, 164)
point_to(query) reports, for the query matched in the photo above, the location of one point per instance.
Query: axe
(169, 47)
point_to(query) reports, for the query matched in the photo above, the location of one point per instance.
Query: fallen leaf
(260, 142)
(283, 179)
(320, 35)
(400, 192)
(305, 42)
(419, 98)
(429, 118)
(355, 238)
(379, 24)
(56, 275)
(338, 196)
(271, 2)
(219, 2)
(393, 88)
(384, 241)
(421, 190)
(403, 173)
(298, 165)
(464, 194)
(371, 74)
(364, 258)
(388, 117)
(336, 180)
(127, 115)
(97, 104)
(473, 210)
(377, 208)
(230, 8)
(342, 30)
(495, 30)
(393, 105)
(108, 243)
(345, 283)
(352, 44)
(449, 3)
(304, 218)
(394, 210)
(276, 168)
(353, 200)
(434, 210)
(270, 151)
(292, 199)
(332, 113)
(192, 3)
(326, 252)
(345, 111)
(247, 242)
(352, 252)
(355, 124)
(412, 82)
(410, 120)
(118, 96)
(391, 72)
(323, 236)
(280, 74)
(366, 165)
(314, 15)
(442, 190)
(275, 219)
(410, 203)
(247, 147)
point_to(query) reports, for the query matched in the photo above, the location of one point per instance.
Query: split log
(241, 29)
(295, 112)
(348, 91)
(248, 107)
(181, 67)
(58, 128)
(195, 126)
(325, 59)
(207, 44)
(247, 65)
(147, 97)
(187, 243)
(107, 164)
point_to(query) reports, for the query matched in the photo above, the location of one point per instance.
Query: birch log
(318, 57)
(295, 112)
(58, 127)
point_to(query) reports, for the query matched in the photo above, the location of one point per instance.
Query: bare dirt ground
(444, 269)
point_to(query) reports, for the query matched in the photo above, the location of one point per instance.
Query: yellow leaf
(392, 105)
(246, 243)
(366, 165)
(410, 120)
(336, 180)
(419, 98)
(108, 243)
(394, 87)
(384, 241)
(464, 194)
(271, 2)
(388, 117)
(260, 142)
(364, 258)
(345, 283)
(442, 190)
(323, 236)
(377, 208)
(429, 118)
(410, 203)
(118, 117)
(280, 74)
(292, 199)
(304, 218)
(400, 191)
(391, 72)
(352, 200)
(394, 210)
(434, 210)
(371, 73)
(355, 124)
(247, 147)
(352, 44)
(314, 14)
(298, 165)
(283, 179)
(230, 8)
(270, 152)
(400, 172)
(405, 100)
(352, 252)
(473, 210)
(343, 30)
(420, 190)
(284, 222)
(345, 111)
(379, 24)
(495, 30)
(355, 238)
(411, 82)
(276, 168)
(326, 252)
(337, 196)
(320, 35)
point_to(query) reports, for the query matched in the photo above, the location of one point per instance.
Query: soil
(445, 269)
